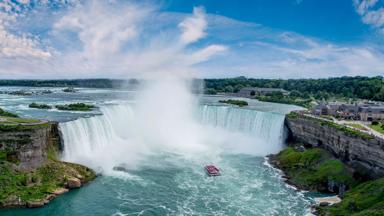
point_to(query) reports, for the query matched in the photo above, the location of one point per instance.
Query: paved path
(368, 130)
(24, 124)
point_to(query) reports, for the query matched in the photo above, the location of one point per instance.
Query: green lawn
(377, 128)
(356, 125)
(15, 120)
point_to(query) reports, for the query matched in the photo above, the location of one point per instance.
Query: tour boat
(212, 170)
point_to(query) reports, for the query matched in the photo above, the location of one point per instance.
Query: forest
(371, 88)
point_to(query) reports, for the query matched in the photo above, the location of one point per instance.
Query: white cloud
(101, 27)
(289, 55)
(370, 15)
(108, 39)
(193, 27)
(375, 18)
(362, 6)
(11, 44)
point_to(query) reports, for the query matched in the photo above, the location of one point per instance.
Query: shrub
(76, 107)
(39, 106)
(239, 103)
(8, 114)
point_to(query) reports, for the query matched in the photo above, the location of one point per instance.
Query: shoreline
(271, 161)
(311, 209)
(69, 176)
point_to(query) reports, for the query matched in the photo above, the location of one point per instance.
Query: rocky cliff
(28, 146)
(362, 152)
(30, 173)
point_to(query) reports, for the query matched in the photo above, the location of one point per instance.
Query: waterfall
(116, 135)
(268, 126)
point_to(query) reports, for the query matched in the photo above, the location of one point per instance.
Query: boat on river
(211, 170)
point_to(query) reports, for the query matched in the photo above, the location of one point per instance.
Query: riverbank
(30, 173)
(36, 188)
(329, 158)
(315, 170)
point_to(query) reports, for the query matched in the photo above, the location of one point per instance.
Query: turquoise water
(178, 187)
(163, 181)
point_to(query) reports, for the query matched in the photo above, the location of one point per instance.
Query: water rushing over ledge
(168, 179)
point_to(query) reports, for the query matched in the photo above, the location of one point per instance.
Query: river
(152, 166)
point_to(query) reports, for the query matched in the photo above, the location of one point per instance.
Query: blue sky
(326, 19)
(202, 38)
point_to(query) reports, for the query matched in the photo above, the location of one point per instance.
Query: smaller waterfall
(265, 127)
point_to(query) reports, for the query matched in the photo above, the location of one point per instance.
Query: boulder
(60, 191)
(73, 183)
(35, 204)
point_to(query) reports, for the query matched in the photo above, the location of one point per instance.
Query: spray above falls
(122, 135)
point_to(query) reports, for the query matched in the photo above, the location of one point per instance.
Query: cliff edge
(363, 152)
(30, 174)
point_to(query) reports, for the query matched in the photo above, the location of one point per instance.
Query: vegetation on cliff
(11, 122)
(37, 185)
(313, 169)
(239, 103)
(347, 130)
(7, 114)
(76, 107)
(363, 200)
(377, 126)
(40, 106)
(23, 183)
(21, 124)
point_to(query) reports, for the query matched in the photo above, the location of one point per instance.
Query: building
(321, 109)
(251, 91)
(373, 113)
(363, 112)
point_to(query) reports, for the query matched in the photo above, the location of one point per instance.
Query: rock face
(365, 156)
(30, 147)
(28, 155)
(74, 183)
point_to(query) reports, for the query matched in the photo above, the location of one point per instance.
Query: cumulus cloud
(268, 53)
(115, 39)
(193, 27)
(12, 45)
(102, 28)
(370, 15)
(123, 39)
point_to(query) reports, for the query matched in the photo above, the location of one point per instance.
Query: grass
(239, 103)
(327, 117)
(379, 127)
(76, 107)
(36, 185)
(356, 125)
(7, 114)
(345, 129)
(293, 115)
(12, 127)
(13, 120)
(365, 199)
(313, 169)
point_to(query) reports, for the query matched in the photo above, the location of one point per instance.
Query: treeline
(86, 83)
(371, 88)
